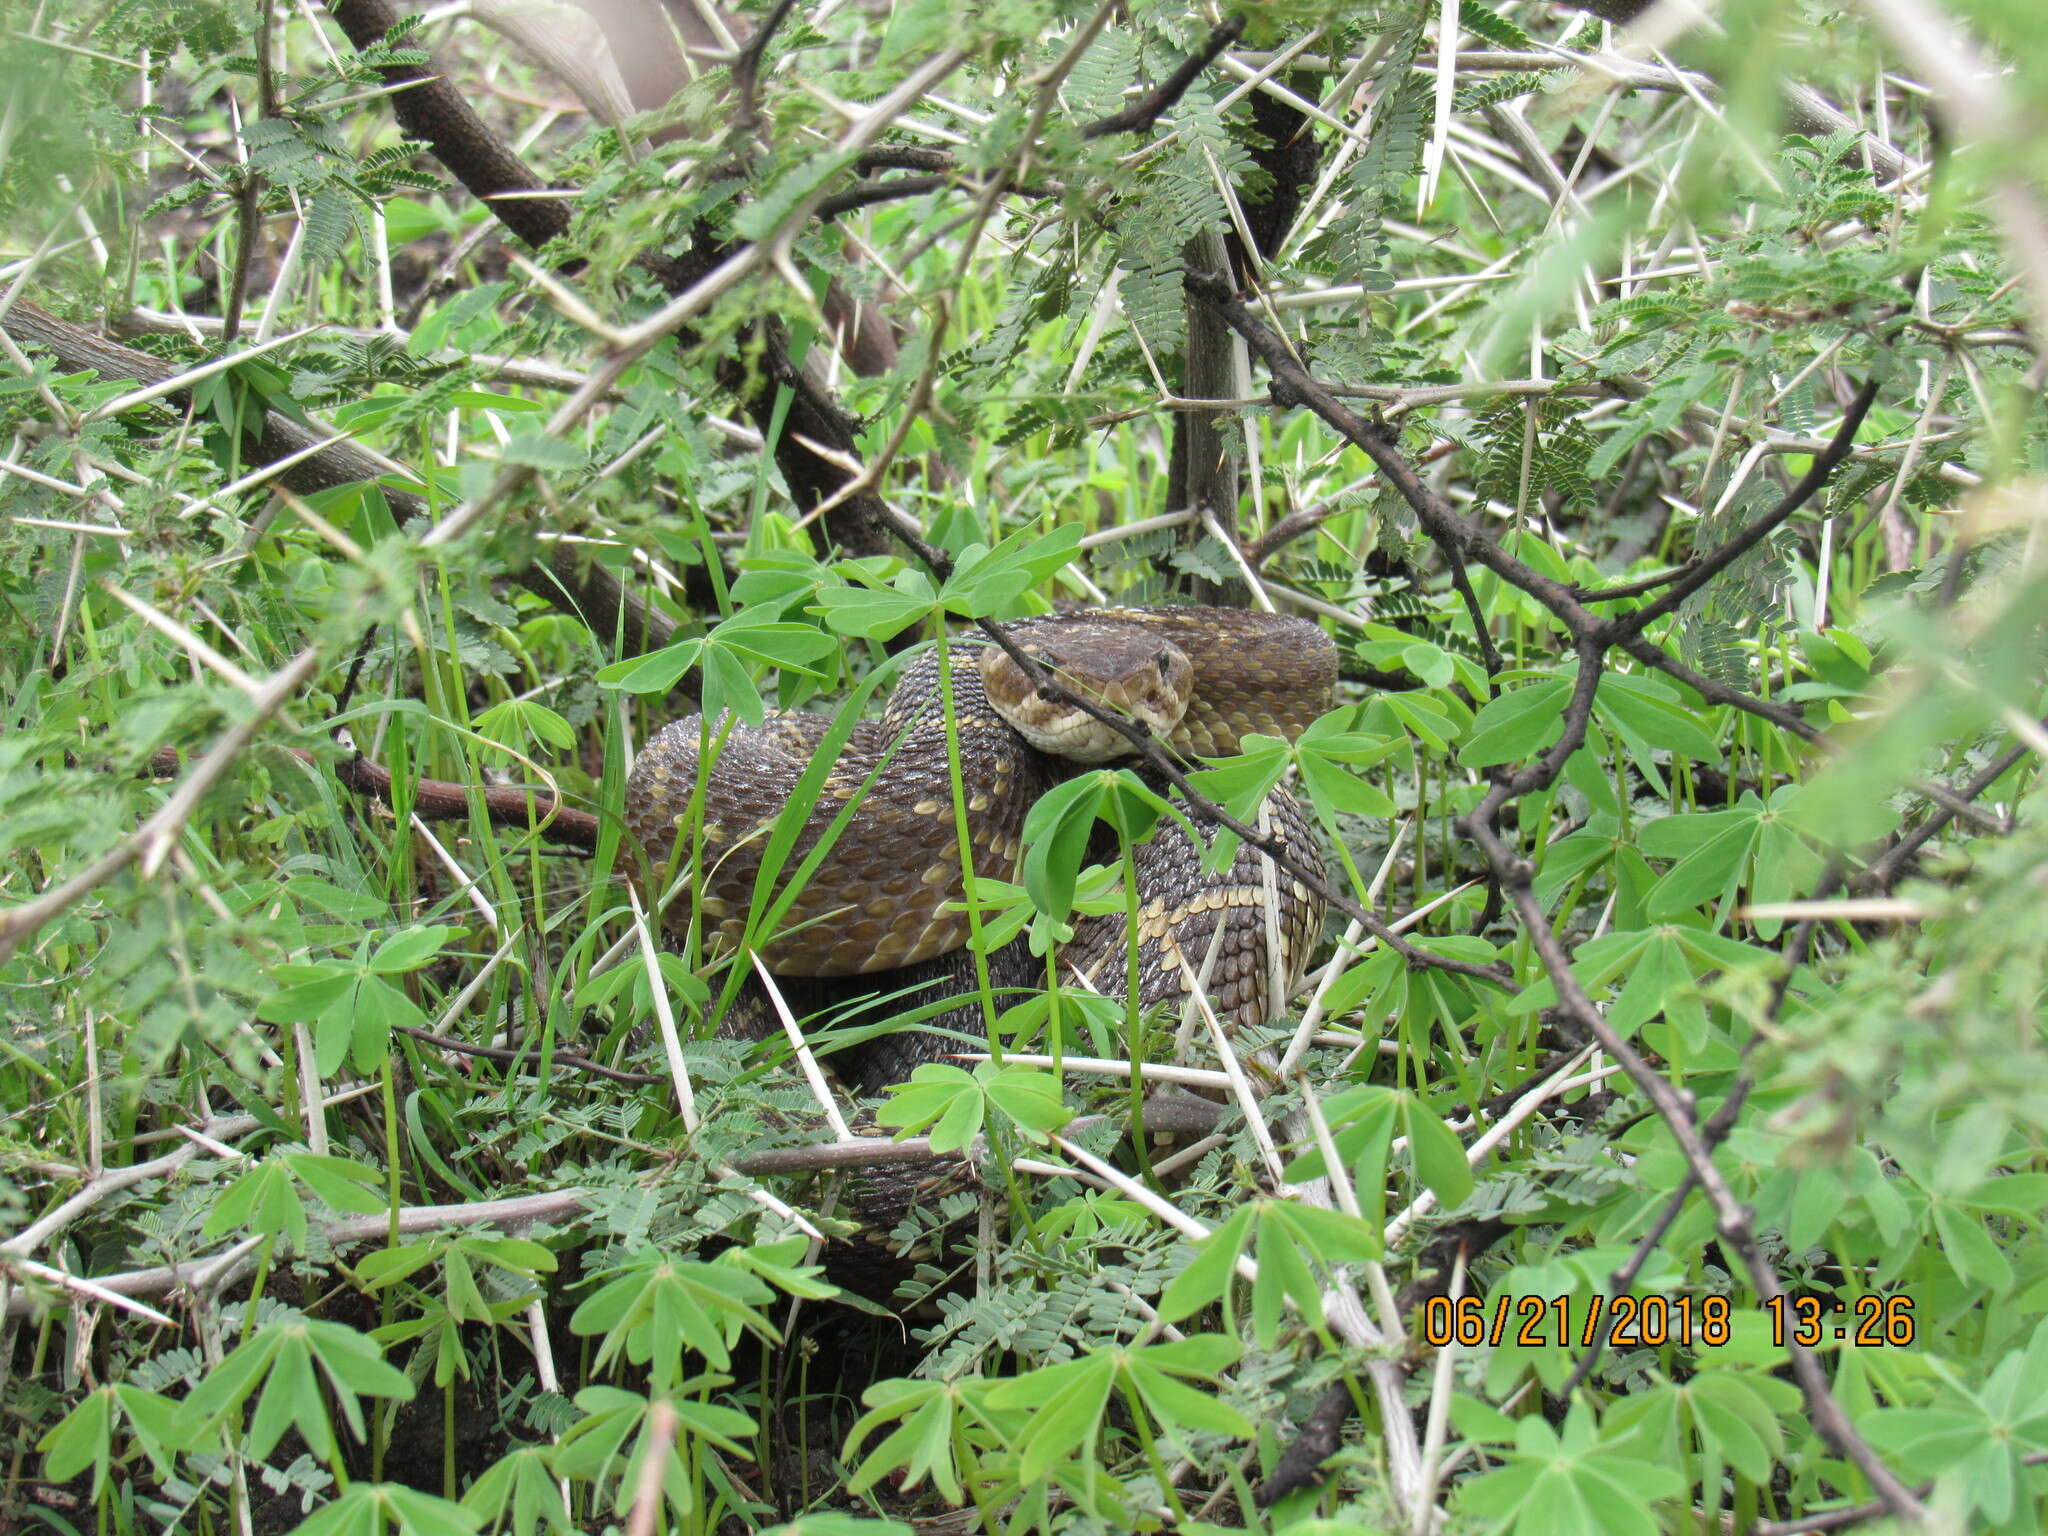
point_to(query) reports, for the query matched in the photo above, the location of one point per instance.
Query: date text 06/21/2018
(1868, 1321)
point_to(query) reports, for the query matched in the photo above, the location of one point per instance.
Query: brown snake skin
(877, 902)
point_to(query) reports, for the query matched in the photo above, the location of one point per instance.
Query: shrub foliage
(404, 418)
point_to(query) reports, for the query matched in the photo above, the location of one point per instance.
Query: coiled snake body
(1200, 678)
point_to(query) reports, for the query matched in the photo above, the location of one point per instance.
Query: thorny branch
(152, 842)
(746, 69)
(1712, 1135)
(1591, 638)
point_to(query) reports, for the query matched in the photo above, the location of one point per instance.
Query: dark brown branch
(1878, 876)
(1855, 1514)
(602, 600)
(1293, 385)
(1461, 581)
(1712, 1134)
(1315, 1442)
(432, 109)
(1321, 1433)
(1882, 875)
(869, 193)
(1297, 524)
(1454, 535)
(1653, 655)
(1791, 720)
(746, 69)
(507, 1053)
(1733, 1222)
(904, 159)
(507, 805)
(339, 463)
(248, 224)
(1146, 110)
(1623, 590)
(1702, 569)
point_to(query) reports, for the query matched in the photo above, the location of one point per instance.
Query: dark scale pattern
(875, 903)
(1178, 921)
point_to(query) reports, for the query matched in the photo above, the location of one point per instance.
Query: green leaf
(1067, 1403)
(1570, 1484)
(777, 1263)
(265, 1200)
(410, 948)
(1641, 711)
(727, 686)
(873, 615)
(656, 672)
(288, 1360)
(537, 450)
(1058, 826)
(590, 1451)
(1438, 1155)
(1208, 1275)
(939, 1095)
(84, 1438)
(340, 1184)
(308, 999)
(1516, 725)
(832, 1522)
(1030, 1098)
(776, 645)
(1293, 1242)
(1970, 1249)
(1975, 1440)
(1363, 1123)
(652, 1308)
(519, 1491)
(372, 1509)
(922, 1444)
(1734, 1416)
(518, 724)
(487, 400)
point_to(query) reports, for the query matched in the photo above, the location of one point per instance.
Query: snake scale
(877, 908)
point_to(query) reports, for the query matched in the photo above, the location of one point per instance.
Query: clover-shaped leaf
(1291, 1242)
(955, 1103)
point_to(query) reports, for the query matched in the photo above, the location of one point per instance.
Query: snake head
(1121, 666)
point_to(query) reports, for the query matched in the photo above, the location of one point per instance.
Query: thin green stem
(1157, 1463)
(966, 845)
(1134, 1031)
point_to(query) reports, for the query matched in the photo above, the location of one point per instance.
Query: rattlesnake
(883, 904)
